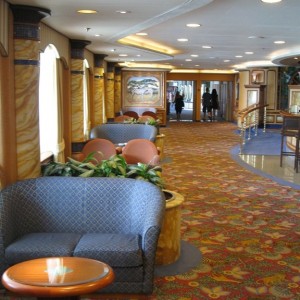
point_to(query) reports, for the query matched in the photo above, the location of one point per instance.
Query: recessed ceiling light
(193, 25)
(123, 55)
(255, 37)
(98, 34)
(194, 55)
(123, 11)
(206, 47)
(138, 55)
(182, 40)
(226, 60)
(249, 52)
(87, 11)
(141, 33)
(188, 59)
(238, 56)
(271, 1)
(279, 42)
(113, 50)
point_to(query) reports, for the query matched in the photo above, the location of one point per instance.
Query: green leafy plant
(146, 172)
(115, 166)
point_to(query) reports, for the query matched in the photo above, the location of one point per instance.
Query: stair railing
(249, 121)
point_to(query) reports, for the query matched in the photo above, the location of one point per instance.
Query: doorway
(186, 88)
(225, 93)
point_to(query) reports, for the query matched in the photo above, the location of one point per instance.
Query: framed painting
(143, 88)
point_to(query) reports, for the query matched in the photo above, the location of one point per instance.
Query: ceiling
(232, 28)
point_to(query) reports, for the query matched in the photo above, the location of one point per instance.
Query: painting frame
(143, 89)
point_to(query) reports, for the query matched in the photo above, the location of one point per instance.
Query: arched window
(50, 123)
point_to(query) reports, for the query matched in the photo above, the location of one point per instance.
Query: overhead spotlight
(271, 1)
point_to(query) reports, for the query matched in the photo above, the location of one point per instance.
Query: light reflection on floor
(270, 164)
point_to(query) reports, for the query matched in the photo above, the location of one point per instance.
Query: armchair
(141, 150)
(102, 148)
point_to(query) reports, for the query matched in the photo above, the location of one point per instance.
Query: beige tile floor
(270, 166)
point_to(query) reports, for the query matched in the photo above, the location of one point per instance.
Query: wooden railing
(248, 121)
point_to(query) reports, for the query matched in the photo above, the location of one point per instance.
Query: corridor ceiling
(234, 34)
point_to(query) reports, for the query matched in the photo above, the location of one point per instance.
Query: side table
(57, 277)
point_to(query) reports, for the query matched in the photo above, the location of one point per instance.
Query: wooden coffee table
(55, 277)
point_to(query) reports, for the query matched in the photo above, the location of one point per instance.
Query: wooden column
(110, 91)
(97, 111)
(77, 78)
(26, 65)
(117, 91)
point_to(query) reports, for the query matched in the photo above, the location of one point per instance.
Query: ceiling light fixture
(123, 11)
(279, 42)
(206, 47)
(249, 52)
(271, 1)
(238, 56)
(123, 55)
(182, 40)
(194, 55)
(87, 11)
(193, 25)
(142, 33)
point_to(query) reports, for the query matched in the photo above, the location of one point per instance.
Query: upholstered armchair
(141, 150)
(122, 119)
(131, 114)
(102, 148)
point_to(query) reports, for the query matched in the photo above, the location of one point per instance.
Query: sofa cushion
(35, 245)
(117, 250)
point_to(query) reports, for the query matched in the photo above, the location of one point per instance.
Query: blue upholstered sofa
(114, 220)
(122, 132)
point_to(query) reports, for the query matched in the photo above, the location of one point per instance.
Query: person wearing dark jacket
(206, 104)
(179, 104)
(214, 103)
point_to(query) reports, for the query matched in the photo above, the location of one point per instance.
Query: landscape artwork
(142, 89)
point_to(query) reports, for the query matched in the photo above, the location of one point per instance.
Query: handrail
(249, 120)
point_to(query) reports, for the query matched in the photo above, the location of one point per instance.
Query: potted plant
(115, 166)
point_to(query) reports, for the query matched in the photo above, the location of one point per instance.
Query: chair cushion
(117, 250)
(36, 245)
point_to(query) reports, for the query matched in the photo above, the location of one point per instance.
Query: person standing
(206, 104)
(214, 103)
(179, 104)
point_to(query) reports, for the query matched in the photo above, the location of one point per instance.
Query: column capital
(77, 48)
(29, 14)
(26, 21)
(99, 60)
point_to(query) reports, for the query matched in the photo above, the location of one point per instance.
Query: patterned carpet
(247, 227)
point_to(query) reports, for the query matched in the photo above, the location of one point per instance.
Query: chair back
(290, 125)
(150, 113)
(131, 114)
(122, 119)
(103, 149)
(141, 150)
(145, 119)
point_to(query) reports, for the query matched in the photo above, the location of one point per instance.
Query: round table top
(57, 276)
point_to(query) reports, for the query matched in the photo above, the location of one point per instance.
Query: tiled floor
(269, 165)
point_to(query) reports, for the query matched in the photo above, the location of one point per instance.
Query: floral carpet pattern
(247, 227)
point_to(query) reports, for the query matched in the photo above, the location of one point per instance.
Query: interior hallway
(265, 165)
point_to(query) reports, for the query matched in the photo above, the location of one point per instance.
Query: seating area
(114, 220)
